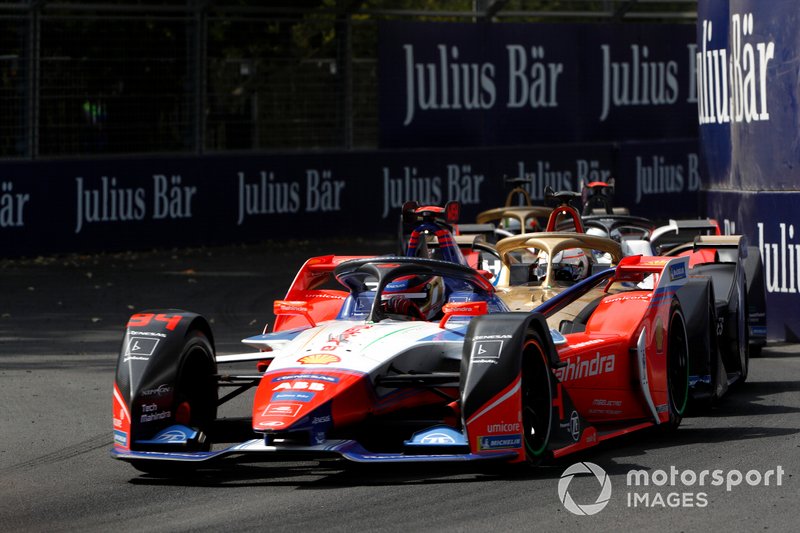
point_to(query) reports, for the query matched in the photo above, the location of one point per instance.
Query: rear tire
(677, 367)
(743, 333)
(537, 401)
(713, 362)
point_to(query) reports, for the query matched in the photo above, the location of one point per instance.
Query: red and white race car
(397, 359)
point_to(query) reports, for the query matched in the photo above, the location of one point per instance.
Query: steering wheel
(400, 305)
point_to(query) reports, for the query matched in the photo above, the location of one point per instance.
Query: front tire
(537, 401)
(196, 387)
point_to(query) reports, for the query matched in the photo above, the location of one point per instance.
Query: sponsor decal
(575, 426)
(623, 298)
(321, 419)
(293, 396)
(611, 403)
(282, 409)
(121, 438)
(334, 341)
(319, 359)
(585, 344)
(499, 442)
(159, 391)
(314, 377)
(438, 438)
(271, 424)
(578, 368)
(487, 349)
(173, 435)
(503, 427)
(150, 416)
(147, 333)
(300, 385)
(489, 337)
(140, 348)
(677, 271)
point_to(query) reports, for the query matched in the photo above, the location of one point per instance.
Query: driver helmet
(601, 258)
(426, 292)
(569, 265)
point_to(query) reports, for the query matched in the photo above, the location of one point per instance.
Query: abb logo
(300, 385)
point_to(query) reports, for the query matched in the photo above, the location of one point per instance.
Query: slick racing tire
(677, 367)
(713, 361)
(196, 384)
(196, 397)
(537, 400)
(743, 333)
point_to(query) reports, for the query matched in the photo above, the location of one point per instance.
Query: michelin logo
(499, 442)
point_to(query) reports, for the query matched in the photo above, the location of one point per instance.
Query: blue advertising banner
(769, 221)
(487, 84)
(749, 120)
(661, 172)
(114, 204)
(748, 106)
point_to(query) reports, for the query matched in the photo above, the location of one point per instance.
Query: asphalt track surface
(61, 323)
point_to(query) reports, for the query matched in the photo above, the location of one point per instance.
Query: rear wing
(668, 271)
(713, 249)
(521, 214)
(483, 230)
(681, 231)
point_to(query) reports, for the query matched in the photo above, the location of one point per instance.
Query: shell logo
(319, 359)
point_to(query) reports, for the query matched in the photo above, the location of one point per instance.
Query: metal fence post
(200, 60)
(344, 66)
(32, 89)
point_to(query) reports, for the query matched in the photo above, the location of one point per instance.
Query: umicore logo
(602, 498)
